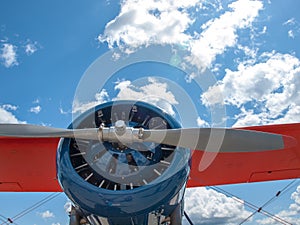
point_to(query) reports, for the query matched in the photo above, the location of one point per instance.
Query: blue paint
(139, 201)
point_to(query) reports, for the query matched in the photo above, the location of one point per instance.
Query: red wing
(230, 168)
(28, 164)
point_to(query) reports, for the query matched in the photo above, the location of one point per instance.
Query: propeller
(208, 139)
(35, 131)
(220, 139)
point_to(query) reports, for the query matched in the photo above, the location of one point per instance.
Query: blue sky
(250, 47)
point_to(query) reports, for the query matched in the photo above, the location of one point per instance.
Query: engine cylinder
(122, 179)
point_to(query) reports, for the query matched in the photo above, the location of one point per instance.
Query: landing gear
(176, 216)
(76, 217)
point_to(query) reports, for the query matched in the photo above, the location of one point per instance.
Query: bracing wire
(6, 220)
(279, 193)
(3, 219)
(36, 205)
(188, 218)
(31, 208)
(250, 205)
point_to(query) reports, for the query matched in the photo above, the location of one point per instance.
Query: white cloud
(270, 87)
(9, 107)
(31, 48)
(62, 111)
(99, 98)
(47, 214)
(294, 27)
(291, 21)
(189, 77)
(6, 116)
(35, 109)
(68, 206)
(296, 196)
(249, 53)
(8, 55)
(149, 22)
(220, 33)
(206, 206)
(291, 34)
(214, 95)
(55, 224)
(153, 88)
(264, 30)
(291, 215)
(102, 96)
(153, 91)
(141, 23)
(202, 123)
(249, 118)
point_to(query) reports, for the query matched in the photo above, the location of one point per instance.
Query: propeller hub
(120, 127)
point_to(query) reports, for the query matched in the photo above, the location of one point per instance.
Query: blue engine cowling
(114, 180)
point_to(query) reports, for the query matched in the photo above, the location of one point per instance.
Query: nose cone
(120, 127)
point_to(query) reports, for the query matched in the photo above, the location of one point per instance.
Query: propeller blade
(208, 139)
(35, 131)
(219, 139)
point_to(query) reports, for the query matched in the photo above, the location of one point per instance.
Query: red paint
(28, 164)
(230, 168)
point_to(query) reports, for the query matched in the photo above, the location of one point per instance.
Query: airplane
(129, 162)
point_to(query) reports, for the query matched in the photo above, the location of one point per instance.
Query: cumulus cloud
(8, 55)
(141, 23)
(221, 33)
(6, 114)
(11, 52)
(7, 117)
(99, 98)
(202, 123)
(270, 87)
(154, 91)
(206, 206)
(149, 22)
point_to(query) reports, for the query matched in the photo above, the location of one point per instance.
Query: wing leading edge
(28, 164)
(229, 168)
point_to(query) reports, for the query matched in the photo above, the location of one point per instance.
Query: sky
(247, 51)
